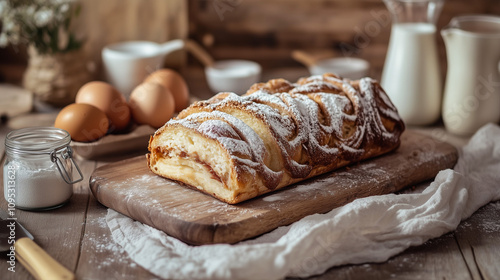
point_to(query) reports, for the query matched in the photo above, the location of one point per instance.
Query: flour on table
(103, 244)
(273, 198)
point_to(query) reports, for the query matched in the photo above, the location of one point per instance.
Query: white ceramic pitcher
(411, 75)
(472, 89)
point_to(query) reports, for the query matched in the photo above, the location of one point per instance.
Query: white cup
(346, 67)
(127, 64)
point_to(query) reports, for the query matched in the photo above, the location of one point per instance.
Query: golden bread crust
(278, 133)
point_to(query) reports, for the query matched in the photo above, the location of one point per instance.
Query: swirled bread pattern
(238, 147)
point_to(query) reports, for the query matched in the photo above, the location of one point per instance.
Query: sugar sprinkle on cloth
(370, 229)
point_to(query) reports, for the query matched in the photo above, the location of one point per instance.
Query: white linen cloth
(370, 229)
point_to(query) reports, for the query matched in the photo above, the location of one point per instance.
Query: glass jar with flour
(38, 168)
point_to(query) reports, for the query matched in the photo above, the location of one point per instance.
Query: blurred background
(265, 31)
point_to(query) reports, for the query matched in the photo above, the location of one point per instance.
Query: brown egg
(174, 82)
(84, 122)
(109, 100)
(151, 104)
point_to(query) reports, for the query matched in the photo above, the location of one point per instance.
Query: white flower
(43, 17)
(64, 8)
(15, 38)
(62, 13)
(3, 7)
(9, 26)
(4, 40)
(30, 11)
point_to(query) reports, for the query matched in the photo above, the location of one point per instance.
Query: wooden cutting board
(193, 217)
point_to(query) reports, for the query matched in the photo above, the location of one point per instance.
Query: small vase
(56, 78)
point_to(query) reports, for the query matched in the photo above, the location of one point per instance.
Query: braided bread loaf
(238, 147)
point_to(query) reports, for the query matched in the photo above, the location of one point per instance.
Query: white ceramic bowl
(126, 64)
(346, 67)
(232, 75)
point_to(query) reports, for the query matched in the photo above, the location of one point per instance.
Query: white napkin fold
(370, 229)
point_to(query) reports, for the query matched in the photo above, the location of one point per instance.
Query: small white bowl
(346, 67)
(127, 64)
(232, 75)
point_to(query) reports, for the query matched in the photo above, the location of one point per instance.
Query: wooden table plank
(479, 239)
(99, 254)
(439, 258)
(436, 259)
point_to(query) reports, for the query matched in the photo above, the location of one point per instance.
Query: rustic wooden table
(77, 235)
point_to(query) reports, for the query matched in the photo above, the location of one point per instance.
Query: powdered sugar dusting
(315, 122)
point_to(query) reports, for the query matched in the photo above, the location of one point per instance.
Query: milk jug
(411, 74)
(472, 89)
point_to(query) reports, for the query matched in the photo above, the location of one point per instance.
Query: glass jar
(38, 168)
(411, 75)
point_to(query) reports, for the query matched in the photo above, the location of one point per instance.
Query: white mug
(127, 64)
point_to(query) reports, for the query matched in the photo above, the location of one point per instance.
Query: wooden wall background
(268, 30)
(110, 21)
(262, 30)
